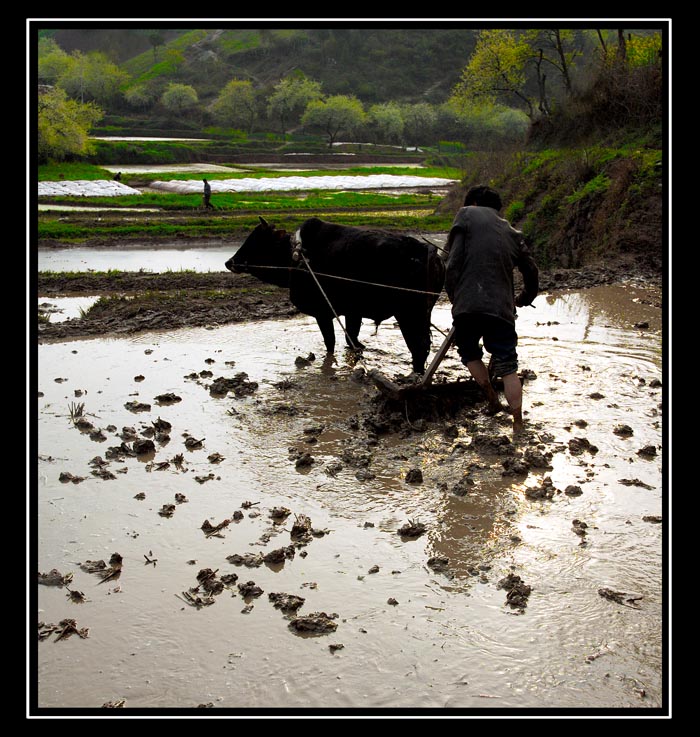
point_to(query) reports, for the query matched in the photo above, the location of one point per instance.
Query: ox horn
(263, 221)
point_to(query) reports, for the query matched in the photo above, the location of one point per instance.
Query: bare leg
(481, 375)
(513, 389)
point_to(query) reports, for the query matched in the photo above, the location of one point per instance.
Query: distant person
(207, 195)
(118, 177)
(483, 249)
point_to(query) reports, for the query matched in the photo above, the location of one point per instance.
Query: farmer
(481, 252)
(207, 195)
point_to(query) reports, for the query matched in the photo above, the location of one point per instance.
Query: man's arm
(531, 284)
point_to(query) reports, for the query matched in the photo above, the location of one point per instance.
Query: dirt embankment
(135, 302)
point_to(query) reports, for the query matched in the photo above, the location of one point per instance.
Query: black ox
(359, 256)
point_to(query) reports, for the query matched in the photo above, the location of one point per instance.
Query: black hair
(483, 196)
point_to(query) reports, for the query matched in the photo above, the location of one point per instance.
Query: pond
(407, 635)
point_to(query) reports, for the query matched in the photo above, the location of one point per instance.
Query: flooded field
(426, 621)
(146, 258)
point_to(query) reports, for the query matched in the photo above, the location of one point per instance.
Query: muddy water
(450, 640)
(136, 259)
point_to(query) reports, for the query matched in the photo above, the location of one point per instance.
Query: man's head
(483, 196)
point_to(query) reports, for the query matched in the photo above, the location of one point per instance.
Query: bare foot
(517, 421)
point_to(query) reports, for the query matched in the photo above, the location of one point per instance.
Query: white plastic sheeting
(85, 188)
(273, 184)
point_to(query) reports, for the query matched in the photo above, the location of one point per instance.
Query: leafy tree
(53, 61)
(290, 99)
(92, 77)
(64, 125)
(140, 96)
(335, 115)
(156, 39)
(236, 105)
(495, 70)
(418, 123)
(387, 122)
(178, 98)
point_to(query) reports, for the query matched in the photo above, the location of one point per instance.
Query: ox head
(265, 253)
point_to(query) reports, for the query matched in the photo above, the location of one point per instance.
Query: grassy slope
(578, 205)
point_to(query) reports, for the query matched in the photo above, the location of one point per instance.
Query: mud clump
(167, 398)
(250, 590)
(250, 560)
(515, 467)
(414, 476)
(648, 451)
(280, 555)
(209, 582)
(578, 446)
(211, 530)
(485, 443)
(634, 482)
(65, 477)
(538, 459)
(620, 597)
(55, 578)
(623, 431)
(573, 490)
(167, 510)
(546, 491)
(579, 528)
(280, 513)
(305, 460)
(302, 361)
(412, 529)
(463, 486)
(438, 563)
(517, 592)
(317, 623)
(138, 407)
(65, 628)
(287, 603)
(301, 529)
(239, 385)
(143, 447)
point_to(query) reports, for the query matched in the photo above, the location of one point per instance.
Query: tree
(496, 69)
(236, 105)
(64, 125)
(418, 123)
(156, 39)
(387, 122)
(140, 96)
(335, 115)
(92, 77)
(552, 47)
(178, 98)
(53, 61)
(290, 98)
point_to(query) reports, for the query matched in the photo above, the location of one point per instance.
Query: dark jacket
(482, 250)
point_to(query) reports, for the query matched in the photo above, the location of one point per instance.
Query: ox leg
(325, 323)
(416, 332)
(353, 323)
